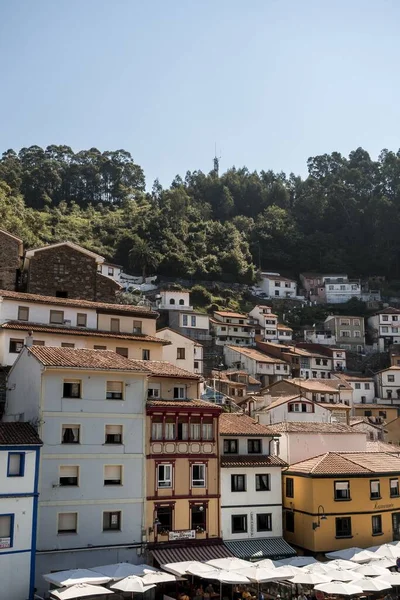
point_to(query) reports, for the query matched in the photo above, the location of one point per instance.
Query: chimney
(29, 340)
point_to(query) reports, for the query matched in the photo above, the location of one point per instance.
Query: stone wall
(9, 261)
(65, 272)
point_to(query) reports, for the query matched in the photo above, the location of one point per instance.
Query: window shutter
(68, 471)
(5, 527)
(112, 472)
(14, 464)
(114, 386)
(394, 483)
(67, 521)
(375, 487)
(114, 429)
(342, 485)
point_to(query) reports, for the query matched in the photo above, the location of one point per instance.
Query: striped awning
(256, 549)
(200, 552)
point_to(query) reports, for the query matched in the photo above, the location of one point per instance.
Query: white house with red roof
(384, 328)
(276, 286)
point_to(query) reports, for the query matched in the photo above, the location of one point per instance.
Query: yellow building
(183, 484)
(342, 499)
(382, 413)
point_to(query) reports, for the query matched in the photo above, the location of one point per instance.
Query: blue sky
(272, 82)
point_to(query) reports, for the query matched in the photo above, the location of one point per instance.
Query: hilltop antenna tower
(216, 161)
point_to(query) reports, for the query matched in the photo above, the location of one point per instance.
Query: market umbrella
(132, 584)
(229, 564)
(80, 590)
(155, 577)
(389, 577)
(343, 575)
(260, 574)
(223, 577)
(297, 561)
(340, 563)
(388, 551)
(74, 576)
(181, 568)
(386, 563)
(210, 573)
(354, 554)
(339, 588)
(372, 584)
(267, 563)
(287, 571)
(318, 568)
(370, 570)
(122, 570)
(310, 578)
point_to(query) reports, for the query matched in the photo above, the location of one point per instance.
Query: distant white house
(174, 300)
(267, 369)
(340, 289)
(384, 328)
(232, 328)
(275, 285)
(182, 351)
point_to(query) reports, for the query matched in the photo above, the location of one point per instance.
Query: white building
(19, 476)
(388, 385)
(267, 320)
(110, 270)
(340, 289)
(302, 440)
(251, 489)
(276, 286)
(363, 387)
(90, 410)
(322, 337)
(384, 328)
(174, 300)
(49, 321)
(296, 408)
(182, 351)
(232, 328)
(265, 368)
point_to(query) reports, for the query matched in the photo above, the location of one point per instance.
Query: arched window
(181, 302)
(172, 301)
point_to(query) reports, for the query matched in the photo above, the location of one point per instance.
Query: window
(112, 521)
(122, 351)
(170, 428)
(67, 345)
(70, 434)
(180, 353)
(345, 333)
(153, 392)
(230, 446)
(137, 327)
(72, 388)
(238, 483)
(59, 269)
(145, 354)
(16, 346)
(357, 386)
(254, 446)
(38, 343)
(198, 517)
(345, 322)
(199, 476)
(385, 329)
(114, 325)
(239, 523)
(57, 317)
(114, 390)
(100, 348)
(193, 321)
(394, 488)
(113, 475)
(395, 318)
(184, 320)
(179, 393)
(81, 319)
(277, 284)
(263, 483)
(196, 364)
(207, 430)
(356, 322)
(343, 527)
(113, 434)
(6, 531)
(183, 428)
(375, 489)
(69, 476)
(181, 302)
(276, 292)
(342, 490)
(110, 271)
(357, 334)
(195, 429)
(164, 476)
(164, 516)
(382, 413)
(289, 521)
(68, 522)
(157, 429)
(376, 524)
(390, 378)
(289, 487)
(16, 464)
(385, 318)
(23, 313)
(264, 522)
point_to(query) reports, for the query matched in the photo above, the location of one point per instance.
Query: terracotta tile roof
(84, 358)
(18, 434)
(285, 327)
(241, 424)
(388, 311)
(256, 355)
(98, 257)
(227, 313)
(348, 463)
(195, 342)
(246, 460)
(79, 331)
(163, 368)
(372, 405)
(183, 404)
(334, 384)
(379, 446)
(353, 377)
(312, 427)
(277, 277)
(99, 306)
(281, 400)
(392, 368)
(354, 421)
(312, 385)
(334, 405)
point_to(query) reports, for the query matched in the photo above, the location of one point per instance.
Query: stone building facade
(68, 271)
(11, 249)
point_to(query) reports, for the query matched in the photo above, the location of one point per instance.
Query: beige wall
(167, 384)
(126, 323)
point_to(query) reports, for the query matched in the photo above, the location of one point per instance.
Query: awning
(274, 547)
(201, 552)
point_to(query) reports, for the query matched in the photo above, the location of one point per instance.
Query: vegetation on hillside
(345, 216)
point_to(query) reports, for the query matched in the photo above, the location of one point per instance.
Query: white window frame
(201, 481)
(166, 482)
(181, 392)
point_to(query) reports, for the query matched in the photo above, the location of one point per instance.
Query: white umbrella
(260, 574)
(286, 571)
(339, 588)
(73, 576)
(229, 564)
(386, 563)
(267, 563)
(389, 577)
(372, 584)
(181, 568)
(226, 576)
(340, 563)
(318, 568)
(343, 575)
(153, 578)
(80, 590)
(370, 570)
(297, 561)
(388, 551)
(122, 570)
(354, 554)
(310, 578)
(132, 584)
(200, 572)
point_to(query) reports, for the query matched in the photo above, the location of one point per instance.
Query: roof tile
(241, 424)
(256, 355)
(18, 434)
(266, 460)
(85, 358)
(348, 463)
(312, 427)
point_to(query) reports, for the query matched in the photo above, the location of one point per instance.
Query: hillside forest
(343, 217)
